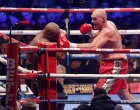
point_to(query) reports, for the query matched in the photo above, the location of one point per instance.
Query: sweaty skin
(107, 36)
(49, 34)
(39, 38)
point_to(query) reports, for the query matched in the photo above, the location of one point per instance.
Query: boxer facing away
(107, 36)
(49, 34)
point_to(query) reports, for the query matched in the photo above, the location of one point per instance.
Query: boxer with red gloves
(53, 33)
(84, 29)
(64, 42)
(107, 37)
(87, 29)
(49, 34)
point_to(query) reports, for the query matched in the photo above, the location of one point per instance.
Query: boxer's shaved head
(99, 18)
(100, 13)
(52, 31)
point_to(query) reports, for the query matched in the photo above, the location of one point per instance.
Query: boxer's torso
(115, 42)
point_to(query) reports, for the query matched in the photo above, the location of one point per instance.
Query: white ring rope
(90, 76)
(22, 56)
(68, 101)
(2, 78)
(20, 69)
(72, 32)
(95, 76)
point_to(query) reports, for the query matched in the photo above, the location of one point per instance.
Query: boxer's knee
(123, 93)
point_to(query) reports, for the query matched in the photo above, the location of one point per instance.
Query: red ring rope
(86, 10)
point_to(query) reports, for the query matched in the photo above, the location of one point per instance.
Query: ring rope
(25, 75)
(89, 101)
(7, 38)
(86, 10)
(95, 56)
(69, 101)
(72, 32)
(81, 76)
(23, 49)
(95, 76)
(20, 69)
(79, 56)
(22, 56)
(89, 50)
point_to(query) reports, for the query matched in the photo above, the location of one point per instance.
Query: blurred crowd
(123, 20)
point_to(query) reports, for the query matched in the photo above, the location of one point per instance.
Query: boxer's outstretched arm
(98, 42)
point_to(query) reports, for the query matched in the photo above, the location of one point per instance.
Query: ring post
(41, 82)
(51, 68)
(12, 76)
(48, 90)
(66, 14)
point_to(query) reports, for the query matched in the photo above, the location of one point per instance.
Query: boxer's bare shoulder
(110, 22)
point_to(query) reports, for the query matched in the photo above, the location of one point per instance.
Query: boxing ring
(46, 73)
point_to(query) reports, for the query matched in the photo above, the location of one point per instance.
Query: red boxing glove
(62, 40)
(85, 28)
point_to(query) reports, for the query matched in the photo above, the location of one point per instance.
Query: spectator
(5, 22)
(28, 38)
(11, 3)
(60, 90)
(29, 105)
(41, 20)
(56, 18)
(134, 44)
(130, 4)
(3, 48)
(91, 62)
(80, 17)
(3, 103)
(74, 109)
(78, 66)
(83, 107)
(101, 101)
(52, 17)
(28, 16)
(72, 21)
(105, 5)
(3, 3)
(42, 3)
(93, 4)
(4, 26)
(61, 70)
(23, 3)
(75, 64)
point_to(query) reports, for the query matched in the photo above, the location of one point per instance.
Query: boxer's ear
(103, 19)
